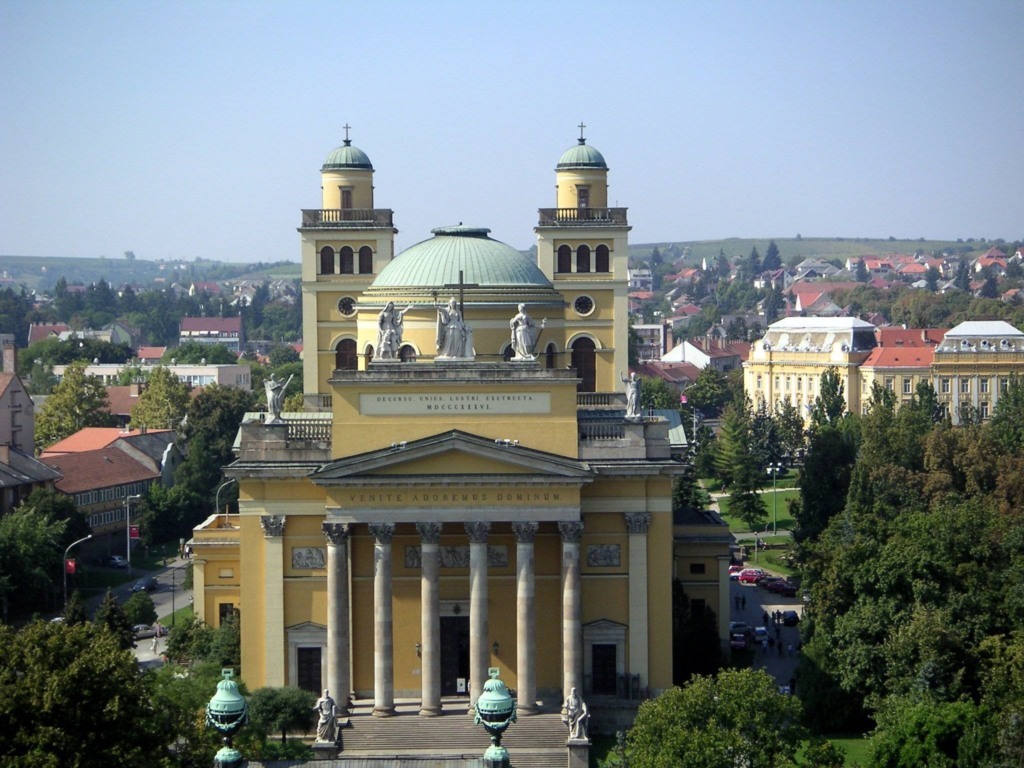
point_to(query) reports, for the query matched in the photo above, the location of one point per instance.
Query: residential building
(226, 331)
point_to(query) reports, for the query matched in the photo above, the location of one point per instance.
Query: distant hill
(794, 250)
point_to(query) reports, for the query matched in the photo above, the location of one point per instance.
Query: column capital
(336, 533)
(382, 532)
(571, 532)
(430, 533)
(525, 531)
(638, 522)
(273, 525)
(477, 532)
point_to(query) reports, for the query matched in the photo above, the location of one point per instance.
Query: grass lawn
(181, 613)
(785, 520)
(855, 747)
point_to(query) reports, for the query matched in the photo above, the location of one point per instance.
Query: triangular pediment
(455, 454)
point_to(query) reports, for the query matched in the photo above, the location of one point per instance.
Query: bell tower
(345, 244)
(583, 249)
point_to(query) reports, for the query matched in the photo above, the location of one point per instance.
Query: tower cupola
(581, 177)
(347, 177)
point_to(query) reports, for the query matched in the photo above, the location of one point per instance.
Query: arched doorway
(584, 360)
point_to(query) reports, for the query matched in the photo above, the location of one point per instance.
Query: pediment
(455, 454)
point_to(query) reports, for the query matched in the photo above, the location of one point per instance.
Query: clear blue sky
(197, 129)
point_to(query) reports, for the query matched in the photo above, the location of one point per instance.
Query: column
(430, 618)
(273, 604)
(383, 637)
(637, 524)
(572, 628)
(479, 641)
(526, 651)
(338, 648)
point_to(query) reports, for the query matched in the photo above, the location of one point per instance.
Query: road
(749, 604)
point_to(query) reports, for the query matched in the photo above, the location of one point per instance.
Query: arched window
(345, 358)
(584, 360)
(549, 356)
(564, 259)
(327, 260)
(407, 354)
(601, 259)
(368, 355)
(365, 260)
(583, 258)
(346, 261)
(507, 353)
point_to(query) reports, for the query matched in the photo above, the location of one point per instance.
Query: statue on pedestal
(389, 332)
(327, 725)
(632, 397)
(275, 396)
(524, 334)
(454, 337)
(577, 716)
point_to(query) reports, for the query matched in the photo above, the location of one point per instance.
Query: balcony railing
(337, 218)
(581, 217)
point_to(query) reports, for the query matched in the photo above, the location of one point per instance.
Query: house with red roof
(42, 331)
(213, 330)
(898, 369)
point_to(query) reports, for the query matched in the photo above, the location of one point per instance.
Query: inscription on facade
(458, 557)
(447, 403)
(604, 556)
(453, 498)
(308, 558)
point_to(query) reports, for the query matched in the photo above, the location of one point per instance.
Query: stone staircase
(537, 741)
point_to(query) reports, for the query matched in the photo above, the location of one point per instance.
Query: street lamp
(229, 481)
(128, 529)
(65, 564)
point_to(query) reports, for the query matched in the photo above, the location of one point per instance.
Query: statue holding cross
(454, 337)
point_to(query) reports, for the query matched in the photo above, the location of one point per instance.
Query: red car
(751, 575)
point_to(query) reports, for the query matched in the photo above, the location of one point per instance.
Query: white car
(116, 561)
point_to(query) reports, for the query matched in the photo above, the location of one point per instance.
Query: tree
(162, 403)
(989, 289)
(655, 392)
(737, 465)
(1007, 423)
(929, 733)
(963, 277)
(709, 392)
(79, 401)
(830, 405)
(931, 279)
(113, 617)
(279, 710)
(861, 271)
(195, 352)
(772, 259)
(774, 304)
(790, 428)
(71, 697)
(179, 703)
(736, 718)
(139, 609)
(30, 552)
(189, 639)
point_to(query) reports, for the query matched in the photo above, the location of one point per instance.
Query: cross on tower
(346, 126)
(462, 286)
(581, 127)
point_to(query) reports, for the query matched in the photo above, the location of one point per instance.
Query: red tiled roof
(894, 336)
(640, 295)
(675, 373)
(216, 324)
(40, 331)
(99, 468)
(5, 381)
(150, 353)
(895, 357)
(90, 439)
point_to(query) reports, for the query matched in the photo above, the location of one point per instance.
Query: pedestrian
(153, 645)
(743, 602)
(764, 618)
(764, 646)
(790, 649)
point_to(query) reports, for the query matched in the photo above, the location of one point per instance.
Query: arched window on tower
(584, 360)
(345, 358)
(583, 258)
(601, 259)
(327, 260)
(549, 356)
(365, 260)
(564, 259)
(347, 261)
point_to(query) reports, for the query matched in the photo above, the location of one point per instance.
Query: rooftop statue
(454, 337)
(275, 396)
(632, 396)
(524, 335)
(389, 332)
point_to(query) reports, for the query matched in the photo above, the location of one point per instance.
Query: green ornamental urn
(226, 713)
(495, 711)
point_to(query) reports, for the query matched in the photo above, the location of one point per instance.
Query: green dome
(347, 156)
(581, 156)
(436, 262)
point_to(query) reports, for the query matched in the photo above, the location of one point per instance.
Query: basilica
(468, 487)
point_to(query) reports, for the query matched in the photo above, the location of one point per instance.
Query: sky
(197, 129)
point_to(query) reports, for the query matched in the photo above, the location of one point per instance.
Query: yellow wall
(567, 181)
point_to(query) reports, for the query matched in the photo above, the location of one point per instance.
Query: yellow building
(468, 487)
(968, 366)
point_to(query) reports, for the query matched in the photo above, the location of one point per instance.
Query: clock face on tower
(347, 306)
(583, 305)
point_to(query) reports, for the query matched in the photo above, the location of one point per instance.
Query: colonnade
(339, 646)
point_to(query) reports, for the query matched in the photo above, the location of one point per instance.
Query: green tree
(963, 277)
(79, 401)
(226, 645)
(179, 704)
(281, 354)
(931, 279)
(15, 308)
(71, 697)
(30, 553)
(162, 403)
(195, 352)
(774, 304)
(655, 392)
(1008, 417)
(74, 611)
(860, 273)
(189, 640)
(830, 404)
(990, 288)
(280, 710)
(113, 617)
(929, 733)
(824, 479)
(139, 609)
(736, 718)
(709, 393)
(790, 426)
(772, 259)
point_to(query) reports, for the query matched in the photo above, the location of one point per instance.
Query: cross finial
(581, 127)
(348, 141)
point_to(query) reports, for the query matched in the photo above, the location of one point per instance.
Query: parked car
(740, 627)
(143, 630)
(146, 585)
(738, 641)
(116, 561)
(760, 633)
(790, 618)
(734, 571)
(779, 586)
(771, 582)
(751, 575)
